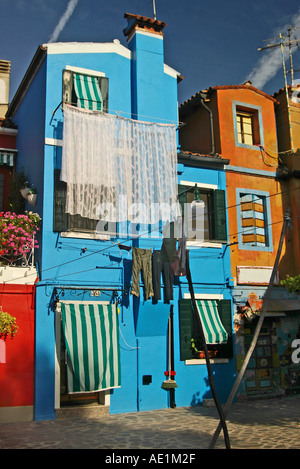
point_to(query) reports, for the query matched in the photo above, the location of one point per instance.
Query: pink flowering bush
(18, 235)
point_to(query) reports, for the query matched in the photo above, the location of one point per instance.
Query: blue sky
(209, 42)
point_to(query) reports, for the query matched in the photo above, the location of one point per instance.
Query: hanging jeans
(162, 266)
(168, 248)
(141, 262)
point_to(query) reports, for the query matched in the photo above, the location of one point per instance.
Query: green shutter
(185, 327)
(225, 313)
(183, 197)
(218, 209)
(63, 221)
(103, 82)
(60, 217)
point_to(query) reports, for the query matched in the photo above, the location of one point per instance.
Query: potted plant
(31, 196)
(200, 353)
(8, 326)
(17, 235)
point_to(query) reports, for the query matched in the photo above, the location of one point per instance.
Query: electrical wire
(147, 232)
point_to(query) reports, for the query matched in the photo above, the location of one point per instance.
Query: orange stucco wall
(257, 162)
(242, 257)
(239, 156)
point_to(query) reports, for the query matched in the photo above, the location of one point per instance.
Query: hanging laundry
(178, 258)
(162, 266)
(170, 235)
(182, 253)
(141, 262)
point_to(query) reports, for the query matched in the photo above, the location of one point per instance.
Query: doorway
(63, 398)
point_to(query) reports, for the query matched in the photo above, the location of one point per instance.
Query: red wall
(16, 375)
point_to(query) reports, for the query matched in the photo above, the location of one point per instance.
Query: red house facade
(17, 291)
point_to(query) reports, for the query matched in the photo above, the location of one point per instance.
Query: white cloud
(271, 60)
(63, 20)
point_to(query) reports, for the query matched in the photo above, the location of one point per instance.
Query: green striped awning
(6, 157)
(91, 332)
(88, 92)
(213, 328)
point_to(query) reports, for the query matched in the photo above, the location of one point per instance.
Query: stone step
(82, 411)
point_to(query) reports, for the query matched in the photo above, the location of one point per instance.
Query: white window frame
(199, 244)
(202, 361)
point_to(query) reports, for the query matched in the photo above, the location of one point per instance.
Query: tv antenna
(283, 42)
(154, 10)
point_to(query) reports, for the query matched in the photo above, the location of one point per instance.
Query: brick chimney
(143, 23)
(4, 86)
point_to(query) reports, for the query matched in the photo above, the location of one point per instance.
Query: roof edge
(26, 81)
(249, 87)
(185, 156)
(209, 91)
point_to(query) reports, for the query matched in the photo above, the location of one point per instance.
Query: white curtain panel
(119, 169)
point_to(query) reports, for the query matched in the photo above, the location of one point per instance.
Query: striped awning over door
(213, 328)
(88, 92)
(91, 332)
(6, 157)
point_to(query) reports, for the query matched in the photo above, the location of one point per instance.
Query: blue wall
(138, 86)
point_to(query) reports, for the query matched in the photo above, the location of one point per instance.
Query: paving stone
(259, 424)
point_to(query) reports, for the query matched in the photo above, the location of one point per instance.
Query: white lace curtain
(119, 169)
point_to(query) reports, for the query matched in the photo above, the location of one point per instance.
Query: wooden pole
(257, 330)
(205, 349)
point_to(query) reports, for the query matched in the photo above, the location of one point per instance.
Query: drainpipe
(213, 152)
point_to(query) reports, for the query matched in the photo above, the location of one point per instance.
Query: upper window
(64, 222)
(254, 225)
(244, 122)
(247, 125)
(85, 91)
(214, 222)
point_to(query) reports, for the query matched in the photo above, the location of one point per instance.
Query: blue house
(105, 334)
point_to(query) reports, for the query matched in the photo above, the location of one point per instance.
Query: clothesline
(118, 112)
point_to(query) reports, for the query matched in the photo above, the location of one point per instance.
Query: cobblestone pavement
(258, 424)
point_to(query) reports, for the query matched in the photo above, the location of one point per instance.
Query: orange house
(288, 121)
(238, 123)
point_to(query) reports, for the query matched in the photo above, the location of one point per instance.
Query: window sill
(82, 235)
(204, 244)
(255, 146)
(245, 247)
(202, 361)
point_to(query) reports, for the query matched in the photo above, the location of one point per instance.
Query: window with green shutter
(215, 226)
(189, 329)
(63, 221)
(85, 91)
